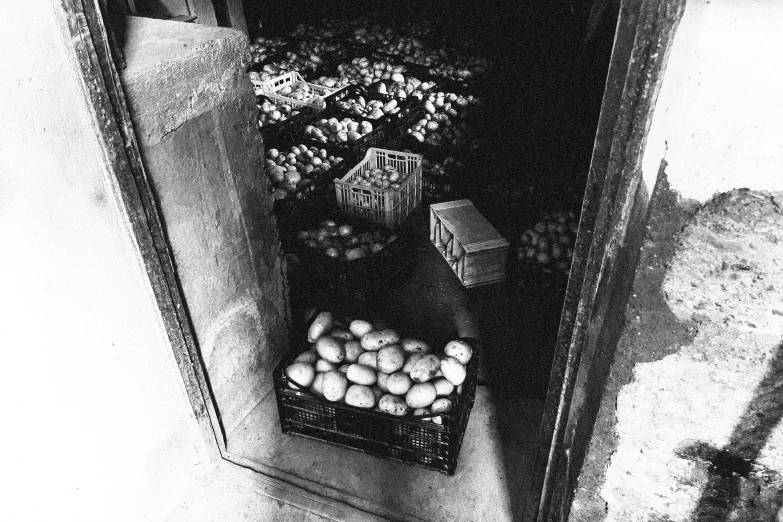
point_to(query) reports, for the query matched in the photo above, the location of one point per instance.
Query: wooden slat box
(476, 252)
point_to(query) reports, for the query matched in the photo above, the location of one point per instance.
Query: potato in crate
(399, 398)
(291, 89)
(384, 188)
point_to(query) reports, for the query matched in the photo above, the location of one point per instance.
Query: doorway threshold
(494, 465)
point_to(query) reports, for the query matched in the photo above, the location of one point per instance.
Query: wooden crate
(476, 252)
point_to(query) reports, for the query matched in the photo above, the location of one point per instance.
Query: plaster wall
(195, 115)
(719, 118)
(688, 427)
(96, 422)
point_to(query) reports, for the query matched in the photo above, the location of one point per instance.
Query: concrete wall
(96, 423)
(195, 116)
(689, 421)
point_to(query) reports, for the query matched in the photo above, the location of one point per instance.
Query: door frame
(611, 231)
(613, 207)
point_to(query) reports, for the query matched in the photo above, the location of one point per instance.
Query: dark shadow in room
(738, 487)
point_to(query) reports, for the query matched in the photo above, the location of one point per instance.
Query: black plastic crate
(320, 191)
(381, 134)
(409, 439)
(361, 280)
(370, 93)
(273, 132)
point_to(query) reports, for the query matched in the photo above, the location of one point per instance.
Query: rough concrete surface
(177, 71)
(688, 428)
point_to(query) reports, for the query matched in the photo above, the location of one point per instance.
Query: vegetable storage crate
(410, 439)
(472, 247)
(359, 280)
(272, 88)
(387, 206)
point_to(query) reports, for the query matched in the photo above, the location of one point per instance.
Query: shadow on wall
(738, 487)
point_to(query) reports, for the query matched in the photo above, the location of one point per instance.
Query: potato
(322, 324)
(359, 328)
(382, 380)
(330, 349)
(453, 370)
(344, 368)
(317, 386)
(352, 351)
(391, 358)
(378, 339)
(425, 368)
(399, 383)
(377, 393)
(415, 346)
(460, 350)
(301, 374)
(360, 396)
(322, 365)
(308, 357)
(343, 335)
(393, 405)
(412, 360)
(334, 385)
(422, 411)
(361, 374)
(441, 405)
(369, 359)
(443, 386)
(421, 395)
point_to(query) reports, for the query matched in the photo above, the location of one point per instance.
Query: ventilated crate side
(387, 206)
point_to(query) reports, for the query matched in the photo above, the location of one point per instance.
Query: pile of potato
(365, 71)
(444, 118)
(369, 109)
(292, 172)
(441, 169)
(465, 69)
(337, 131)
(387, 177)
(271, 113)
(263, 48)
(550, 242)
(403, 86)
(369, 367)
(331, 82)
(341, 241)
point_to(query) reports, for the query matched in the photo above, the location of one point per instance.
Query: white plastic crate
(386, 206)
(272, 87)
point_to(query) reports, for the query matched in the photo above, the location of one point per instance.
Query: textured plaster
(719, 117)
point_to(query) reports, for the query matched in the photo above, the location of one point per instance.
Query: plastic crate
(320, 190)
(360, 280)
(381, 134)
(387, 206)
(437, 187)
(412, 440)
(272, 87)
(406, 105)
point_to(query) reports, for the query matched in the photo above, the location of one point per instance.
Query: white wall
(719, 118)
(97, 425)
